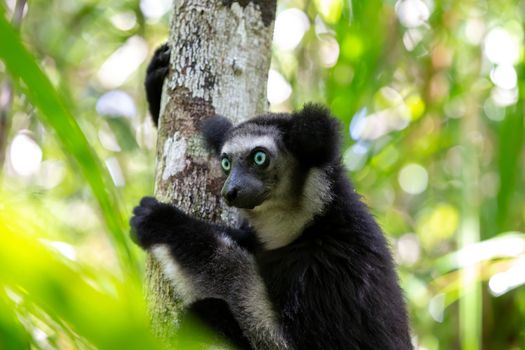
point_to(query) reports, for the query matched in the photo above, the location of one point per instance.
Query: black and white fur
(311, 268)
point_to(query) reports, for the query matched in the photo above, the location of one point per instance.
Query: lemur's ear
(214, 131)
(313, 136)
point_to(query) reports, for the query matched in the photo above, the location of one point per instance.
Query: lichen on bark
(220, 56)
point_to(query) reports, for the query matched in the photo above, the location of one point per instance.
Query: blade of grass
(503, 245)
(510, 148)
(470, 307)
(12, 335)
(35, 84)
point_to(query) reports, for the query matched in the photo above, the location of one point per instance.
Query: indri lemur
(311, 268)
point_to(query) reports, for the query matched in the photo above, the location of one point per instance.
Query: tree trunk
(220, 56)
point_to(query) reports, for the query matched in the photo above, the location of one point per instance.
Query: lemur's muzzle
(243, 190)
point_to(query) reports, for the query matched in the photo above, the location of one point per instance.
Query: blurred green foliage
(430, 94)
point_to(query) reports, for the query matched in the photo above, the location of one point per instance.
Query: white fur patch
(278, 222)
(256, 316)
(317, 191)
(226, 240)
(244, 143)
(247, 296)
(173, 271)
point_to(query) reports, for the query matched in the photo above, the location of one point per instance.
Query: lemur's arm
(155, 74)
(203, 260)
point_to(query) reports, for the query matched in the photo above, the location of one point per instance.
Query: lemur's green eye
(226, 164)
(259, 158)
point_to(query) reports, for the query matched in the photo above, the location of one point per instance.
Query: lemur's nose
(231, 194)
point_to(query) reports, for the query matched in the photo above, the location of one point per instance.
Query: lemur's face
(251, 158)
(276, 162)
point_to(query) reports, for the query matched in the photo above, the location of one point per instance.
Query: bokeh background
(431, 96)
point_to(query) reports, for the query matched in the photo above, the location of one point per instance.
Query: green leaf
(53, 113)
(108, 319)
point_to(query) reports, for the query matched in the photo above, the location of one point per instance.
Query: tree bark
(220, 56)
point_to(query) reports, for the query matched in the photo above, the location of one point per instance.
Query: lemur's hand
(155, 74)
(154, 222)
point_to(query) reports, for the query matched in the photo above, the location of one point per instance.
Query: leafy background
(431, 97)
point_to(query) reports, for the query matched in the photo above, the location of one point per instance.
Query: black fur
(155, 74)
(334, 287)
(313, 136)
(159, 223)
(214, 130)
(194, 243)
